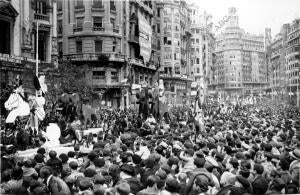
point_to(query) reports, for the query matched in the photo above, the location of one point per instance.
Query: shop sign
(15, 59)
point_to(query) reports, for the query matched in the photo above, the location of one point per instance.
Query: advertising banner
(145, 34)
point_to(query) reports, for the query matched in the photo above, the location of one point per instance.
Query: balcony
(174, 76)
(116, 29)
(77, 29)
(41, 17)
(114, 57)
(140, 63)
(98, 28)
(97, 6)
(151, 64)
(79, 8)
(133, 18)
(134, 38)
(113, 8)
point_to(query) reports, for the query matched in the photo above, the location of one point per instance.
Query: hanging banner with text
(145, 34)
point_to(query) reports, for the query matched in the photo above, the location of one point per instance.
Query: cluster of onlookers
(252, 150)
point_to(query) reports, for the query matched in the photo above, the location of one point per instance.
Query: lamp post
(37, 54)
(298, 75)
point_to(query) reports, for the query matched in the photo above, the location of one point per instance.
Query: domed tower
(234, 18)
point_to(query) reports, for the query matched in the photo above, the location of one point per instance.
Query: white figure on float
(38, 102)
(52, 135)
(161, 88)
(16, 103)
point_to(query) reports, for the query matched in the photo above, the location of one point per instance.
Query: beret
(90, 172)
(128, 169)
(99, 162)
(84, 184)
(73, 164)
(99, 179)
(123, 188)
(41, 151)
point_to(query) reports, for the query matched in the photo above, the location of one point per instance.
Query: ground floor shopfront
(112, 97)
(177, 90)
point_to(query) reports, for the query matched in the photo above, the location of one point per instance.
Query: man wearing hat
(295, 165)
(259, 183)
(74, 172)
(199, 182)
(28, 169)
(85, 187)
(188, 157)
(127, 174)
(55, 184)
(123, 189)
(151, 186)
(276, 186)
(172, 187)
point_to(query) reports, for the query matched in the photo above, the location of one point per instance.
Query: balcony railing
(96, 57)
(98, 5)
(78, 29)
(101, 78)
(133, 38)
(116, 29)
(41, 17)
(136, 61)
(79, 7)
(139, 62)
(98, 28)
(113, 7)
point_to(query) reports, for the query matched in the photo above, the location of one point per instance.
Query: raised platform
(63, 148)
(89, 130)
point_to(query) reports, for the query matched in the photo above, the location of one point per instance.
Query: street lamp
(298, 75)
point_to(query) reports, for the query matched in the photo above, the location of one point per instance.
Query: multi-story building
(202, 44)
(143, 42)
(268, 42)
(293, 58)
(277, 65)
(18, 21)
(175, 59)
(240, 59)
(113, 38)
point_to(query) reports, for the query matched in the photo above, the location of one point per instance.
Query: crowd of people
(252, 149)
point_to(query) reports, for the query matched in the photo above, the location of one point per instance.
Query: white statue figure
(38, 102)
(16, 103)
(52, 135)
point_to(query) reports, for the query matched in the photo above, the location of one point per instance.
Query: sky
(254, 15)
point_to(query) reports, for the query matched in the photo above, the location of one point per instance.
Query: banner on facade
(145, 34)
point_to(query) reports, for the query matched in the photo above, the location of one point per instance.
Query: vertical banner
(145, 34)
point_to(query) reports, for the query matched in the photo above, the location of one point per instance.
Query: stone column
(122, 97)
(127, 98)
(107, 25)
(54, 54)
(49, 42)
(71, 11)
(88, 20)
(200, 56)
